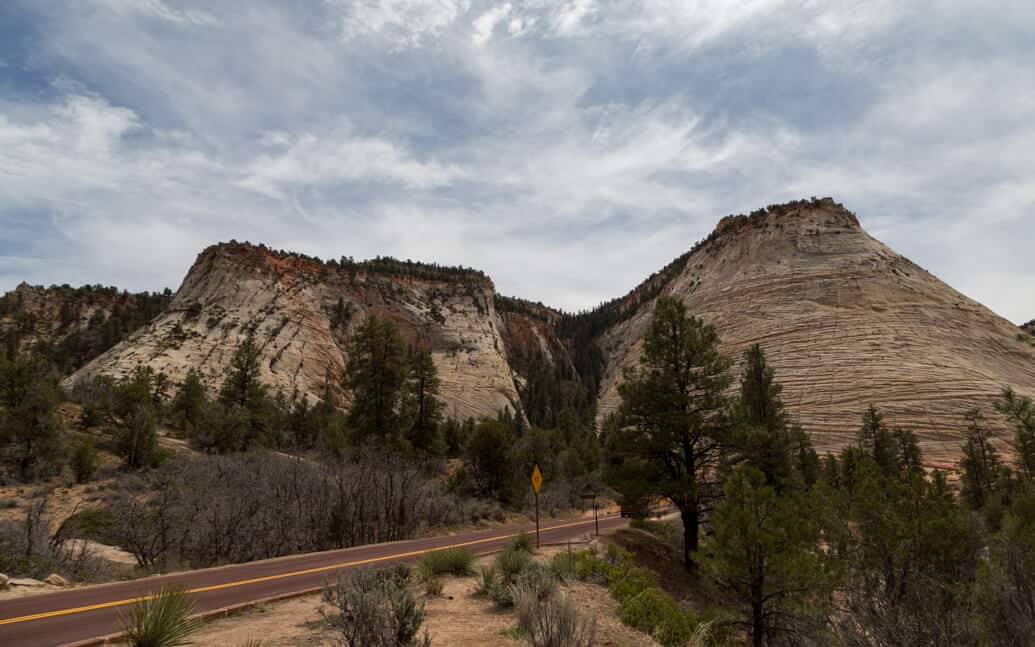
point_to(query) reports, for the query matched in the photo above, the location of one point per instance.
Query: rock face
(73, 325)
(845, 321)
(1029, 327)
(303, 312)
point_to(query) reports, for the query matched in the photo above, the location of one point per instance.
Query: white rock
(56, 580)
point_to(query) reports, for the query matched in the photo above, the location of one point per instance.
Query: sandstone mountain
(303, 312)
(73, 325)
(844, 320)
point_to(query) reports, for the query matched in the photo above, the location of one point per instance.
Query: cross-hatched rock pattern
(303, 313)
(846, 322)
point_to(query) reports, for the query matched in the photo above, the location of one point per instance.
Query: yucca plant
(161, 620)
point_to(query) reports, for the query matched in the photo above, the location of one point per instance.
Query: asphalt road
(81, 614)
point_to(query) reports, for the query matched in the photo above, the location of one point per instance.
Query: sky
(567, 148)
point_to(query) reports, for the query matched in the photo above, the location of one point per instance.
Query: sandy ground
(456, 619)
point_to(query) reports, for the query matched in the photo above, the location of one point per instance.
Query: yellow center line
(278, 576)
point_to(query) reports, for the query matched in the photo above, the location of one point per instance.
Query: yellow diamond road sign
(537, 479)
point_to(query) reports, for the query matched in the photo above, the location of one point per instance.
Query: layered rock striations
(845, 321)
(303, 312)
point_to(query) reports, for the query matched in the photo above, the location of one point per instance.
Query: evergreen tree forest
(865, 547)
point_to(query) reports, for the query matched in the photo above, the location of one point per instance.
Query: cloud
(159, 10)
(567, 148)
(486, 23)
(309, 160)
(405, 22)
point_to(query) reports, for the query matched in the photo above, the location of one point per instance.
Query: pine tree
(765, 552)
(674, 418)
(487, 456)
(980, 467)
(30, 431)
(1021, 412)
(243, 386)
(374, 377)
(761, 433)
(877, 441)
(188, 407)
(421, 408)
(246, 400)
(136, 439)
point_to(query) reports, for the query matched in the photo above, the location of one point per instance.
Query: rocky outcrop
(845, 321)
(303, 312)
(73, 325)
(1029, 327)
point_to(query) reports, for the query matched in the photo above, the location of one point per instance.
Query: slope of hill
(73, 325)
(304, 310)
(845, 321)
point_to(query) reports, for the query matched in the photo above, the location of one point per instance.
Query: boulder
(3, 581)
(56, 580)
(24, 581)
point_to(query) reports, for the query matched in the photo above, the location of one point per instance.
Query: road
(81, 614)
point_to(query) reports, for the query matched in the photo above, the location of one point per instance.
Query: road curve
(81, 614)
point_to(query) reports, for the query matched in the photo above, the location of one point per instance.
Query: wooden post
(596, 521)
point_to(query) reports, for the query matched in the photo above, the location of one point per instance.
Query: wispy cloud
(567, 148)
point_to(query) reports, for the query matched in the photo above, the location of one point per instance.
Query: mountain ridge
(844, 319)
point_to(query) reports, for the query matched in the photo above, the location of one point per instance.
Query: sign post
(592, 495)
(537, 482)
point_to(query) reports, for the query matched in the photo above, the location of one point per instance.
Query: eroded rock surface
(303, 313)
(845, 321)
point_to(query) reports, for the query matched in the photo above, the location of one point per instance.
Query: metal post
(596, 521)
(537, 520)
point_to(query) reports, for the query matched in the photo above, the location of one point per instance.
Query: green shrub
(374, 607)
(523, 542)
(163, 620)
(8, 503)
(627, 580)
(85, 461)
(451, 561)
(89, 524)
(512, 561)
(655, 612)
(579, 565)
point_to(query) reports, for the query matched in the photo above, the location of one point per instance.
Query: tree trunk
(757, 613)
(691, 536)
(757, 624)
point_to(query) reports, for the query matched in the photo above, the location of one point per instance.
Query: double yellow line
(278, 576)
